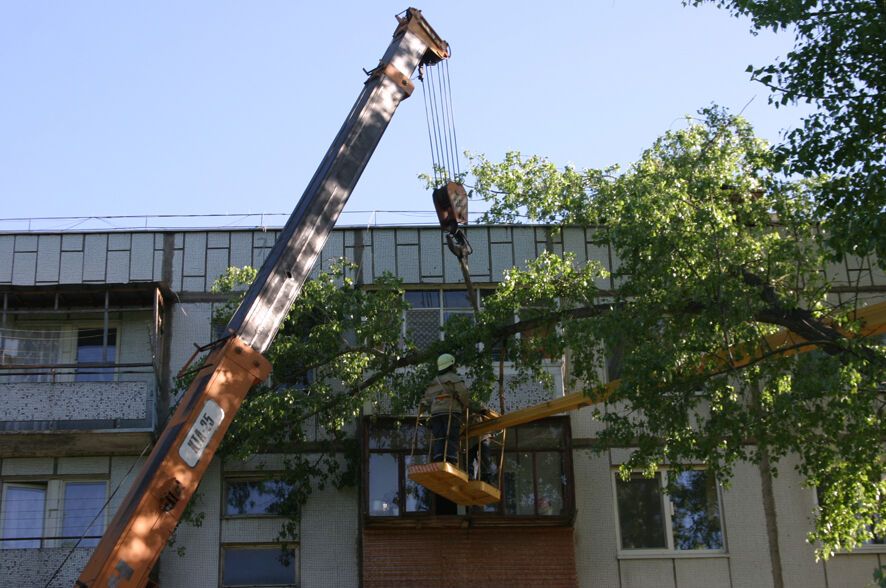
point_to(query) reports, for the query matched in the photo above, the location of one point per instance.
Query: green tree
(838, 64)
(717, 250)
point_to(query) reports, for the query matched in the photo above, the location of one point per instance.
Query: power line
(101, 510)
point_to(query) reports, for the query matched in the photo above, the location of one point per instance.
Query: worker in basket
(446, 399)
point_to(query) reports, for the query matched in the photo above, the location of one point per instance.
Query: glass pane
(23, 511)
(395, 436)
(614, 360)
(83, 503)
(696, 518)
(423, 327)
(379, 437)
(29, 347)
(255, 497)
(640, 512)
(269, 566)
(418, 498)
(448, 314)
(383, 485)
(540, 436)
(90, 349)
(550, 483)
(423, 298)
(519, 493)
(456, 299)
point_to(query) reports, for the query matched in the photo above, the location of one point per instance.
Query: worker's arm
(457, 386)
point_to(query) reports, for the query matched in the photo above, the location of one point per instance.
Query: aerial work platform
(449, 481)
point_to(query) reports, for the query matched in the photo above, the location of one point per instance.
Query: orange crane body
(159, 494)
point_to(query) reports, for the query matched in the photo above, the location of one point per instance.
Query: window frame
(474, 514)
(481, 291)
(44, 522)
(68, 346)
(102, 519)
(669, 551)
(441, 308)
(567, 515)
(246, 477)
(54, 508)
(111, 365)
(401, 457)
(294, 546)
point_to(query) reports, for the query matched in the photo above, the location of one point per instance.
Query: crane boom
(149, 513)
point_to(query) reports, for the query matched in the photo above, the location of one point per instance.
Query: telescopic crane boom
(150, 512)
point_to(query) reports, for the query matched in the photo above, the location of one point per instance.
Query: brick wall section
(476, 558)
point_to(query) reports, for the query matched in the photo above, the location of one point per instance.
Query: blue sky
(112, 108)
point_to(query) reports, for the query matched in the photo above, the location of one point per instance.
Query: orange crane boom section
(873, 322)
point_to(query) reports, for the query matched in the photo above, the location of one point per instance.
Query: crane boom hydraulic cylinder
(149, 513)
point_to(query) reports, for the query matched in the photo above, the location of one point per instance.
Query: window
(535, 471)
(94, 348)
(53, 513)
(28, 348)
(536, 481)
(259, 565)
(686, 519)
(244, 498)
(389, 445)
(60, 352)
(430, 310)
(83, 502)
(24, 510)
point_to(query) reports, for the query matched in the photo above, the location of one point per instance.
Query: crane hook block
(451, 203)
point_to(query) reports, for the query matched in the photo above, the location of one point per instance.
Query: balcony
(79, 371)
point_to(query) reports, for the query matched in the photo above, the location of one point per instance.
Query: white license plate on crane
(201, 432)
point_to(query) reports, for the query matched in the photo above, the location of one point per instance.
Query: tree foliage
(838, 64)
(718, 245)
(717, 249)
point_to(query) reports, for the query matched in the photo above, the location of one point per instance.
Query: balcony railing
(77, 397)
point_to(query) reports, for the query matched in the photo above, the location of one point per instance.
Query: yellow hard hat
(445, 361)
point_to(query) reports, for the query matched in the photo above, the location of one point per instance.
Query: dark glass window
(536, 480)
(24, 509)
(641, 512)
(682, 517)
(93, 349)
(255, 497)
(696, 512)
(389, 447)
(534, 477)
(81, 513)
(384, 484)
(259, 566)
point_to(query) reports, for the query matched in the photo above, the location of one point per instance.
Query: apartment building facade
(95, 324)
